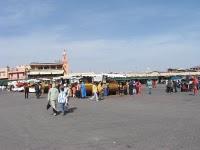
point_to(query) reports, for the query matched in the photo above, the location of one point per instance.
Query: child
(62, 100)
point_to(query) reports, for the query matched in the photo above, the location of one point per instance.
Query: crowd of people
(135, 87)
(58, 96)
(59, 92)
(192, 85)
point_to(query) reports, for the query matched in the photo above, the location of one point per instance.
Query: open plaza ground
(159, 121)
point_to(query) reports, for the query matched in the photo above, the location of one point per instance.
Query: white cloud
(158, 52)
(17, 13)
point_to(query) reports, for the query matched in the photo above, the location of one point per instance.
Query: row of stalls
(18, 86)
(112, 80)
(89, 78)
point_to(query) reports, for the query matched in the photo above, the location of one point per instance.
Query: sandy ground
(147, 122)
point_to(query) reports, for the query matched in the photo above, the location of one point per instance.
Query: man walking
(37, 90)
(94, 91)
(149, 85)
(175, 86)
(26, 90)
(53, 97)
(100, 91)
(195, 86)
(83, 90)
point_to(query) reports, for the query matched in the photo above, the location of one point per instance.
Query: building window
(59, 67)
(46, 67)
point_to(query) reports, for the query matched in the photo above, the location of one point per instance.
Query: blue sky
(101, 35)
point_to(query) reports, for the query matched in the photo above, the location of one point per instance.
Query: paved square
(147, 122)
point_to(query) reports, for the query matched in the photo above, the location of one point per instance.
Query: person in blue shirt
(83, 90)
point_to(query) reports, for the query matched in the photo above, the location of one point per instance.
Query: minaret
(65, 63)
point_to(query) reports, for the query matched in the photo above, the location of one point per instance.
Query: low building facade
(18, 73)
(45, 70)
(196, 68)
(4, 73)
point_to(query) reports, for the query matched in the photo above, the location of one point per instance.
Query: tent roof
(3, 82)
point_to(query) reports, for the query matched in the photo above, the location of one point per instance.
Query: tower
(65, 63)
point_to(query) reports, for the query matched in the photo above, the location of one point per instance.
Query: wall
(4, 73)
(18, 73)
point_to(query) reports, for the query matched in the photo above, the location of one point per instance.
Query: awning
(57, 72)
(176, 78)
(3, 82)
(33, 73)
(134, 78)
(48, 72)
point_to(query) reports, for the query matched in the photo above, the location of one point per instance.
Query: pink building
(18, 73)
(4, 73)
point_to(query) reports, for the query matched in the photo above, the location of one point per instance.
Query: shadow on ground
(71, 110)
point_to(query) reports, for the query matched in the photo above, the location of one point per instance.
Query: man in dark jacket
(131, 88)
(26, 90)
(37, 90)
(175, 86)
